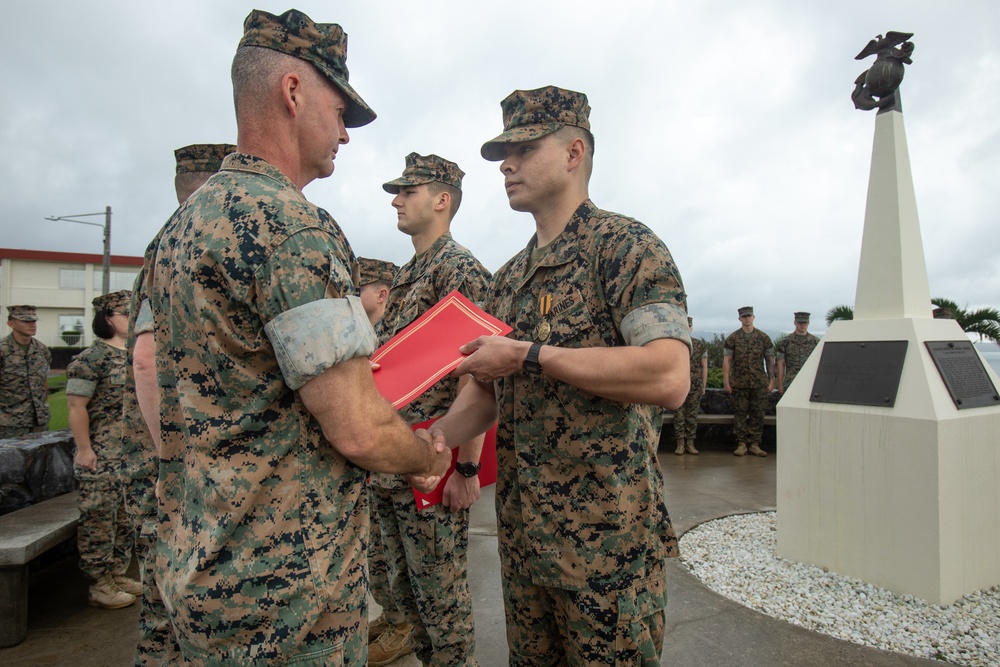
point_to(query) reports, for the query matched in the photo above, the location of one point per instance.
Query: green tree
(984, 322)
(715, 347)
(839, 313)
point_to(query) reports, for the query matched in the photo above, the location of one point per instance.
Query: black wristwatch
(467, 469)
(531, 365)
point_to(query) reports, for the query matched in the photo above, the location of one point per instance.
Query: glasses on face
(120, 312)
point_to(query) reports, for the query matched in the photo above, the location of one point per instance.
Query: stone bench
(24, 535)
(718, 420)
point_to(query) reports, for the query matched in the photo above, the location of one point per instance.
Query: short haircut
(378, 283)
(253, 72)
(570, 132)
(437, 187)
(101, 325)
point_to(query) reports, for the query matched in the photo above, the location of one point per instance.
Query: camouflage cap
(373, 270)
(324, 45)
(422, 169)
(532, 114)
(23, 313)
(746, 310)
(802, 317)
(120, 301)
(201, 157)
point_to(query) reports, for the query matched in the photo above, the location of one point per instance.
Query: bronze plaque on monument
(860, 373)
(963, 373)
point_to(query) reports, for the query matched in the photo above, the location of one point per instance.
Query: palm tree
(984, 322)
(839, 313)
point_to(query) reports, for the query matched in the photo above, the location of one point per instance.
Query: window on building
(71, 278)
(119, 280)
(71, 329)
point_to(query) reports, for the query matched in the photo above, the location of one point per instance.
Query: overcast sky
(727, 127)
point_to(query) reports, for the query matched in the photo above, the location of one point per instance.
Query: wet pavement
(703, 628)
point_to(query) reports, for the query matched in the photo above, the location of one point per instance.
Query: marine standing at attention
(24, 376)
(748, 375)
(426, 549)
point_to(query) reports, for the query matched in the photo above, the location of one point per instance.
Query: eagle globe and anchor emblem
(882, 79)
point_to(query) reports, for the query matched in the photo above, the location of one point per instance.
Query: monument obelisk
(889, 438)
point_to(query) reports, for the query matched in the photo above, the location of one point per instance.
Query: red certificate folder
(427, 349)
(487, 470)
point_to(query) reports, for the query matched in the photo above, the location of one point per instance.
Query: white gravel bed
(735, 557)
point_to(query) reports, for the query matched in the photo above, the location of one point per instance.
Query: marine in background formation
(686, 417)
(748, 375)
(793, 350)
(24, 376)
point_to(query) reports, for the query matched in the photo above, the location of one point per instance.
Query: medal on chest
(544, 329)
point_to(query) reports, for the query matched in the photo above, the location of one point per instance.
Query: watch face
(467, 469)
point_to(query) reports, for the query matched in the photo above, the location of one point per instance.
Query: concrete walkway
(702, 628)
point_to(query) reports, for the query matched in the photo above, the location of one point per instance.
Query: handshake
(437, 465)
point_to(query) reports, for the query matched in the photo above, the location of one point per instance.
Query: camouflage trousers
(378, 573)
(552, 626)
(17, 431)
(426, 553)
(686, 416)
(157, 645)
(748, 414)
(105, 535)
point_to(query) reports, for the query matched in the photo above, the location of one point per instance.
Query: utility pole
(106, 264)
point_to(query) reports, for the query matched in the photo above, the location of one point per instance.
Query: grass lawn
(57, 404)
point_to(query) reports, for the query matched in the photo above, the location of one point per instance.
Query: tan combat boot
(680, 447)
(756, 450)
(106, 594)
(689, 444)
(127, 584)
(741, 450)
(377, 627)
(391, 644)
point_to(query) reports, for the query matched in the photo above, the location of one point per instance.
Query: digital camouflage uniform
(582, 522)
(426, 550)
(104, 536)
(795, 349)
(686, 416)
(752, 354)
(262, 552)
(24, 387)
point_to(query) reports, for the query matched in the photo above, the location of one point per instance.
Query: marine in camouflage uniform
(24, 376)
(426, 549)
(374, 285)
(598, 311)
(686, 417)
(157, 645)
(748, 374)
(94, 383)
(793, 350)
(261, 354)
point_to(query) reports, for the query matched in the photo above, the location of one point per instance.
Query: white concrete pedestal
(908, 497)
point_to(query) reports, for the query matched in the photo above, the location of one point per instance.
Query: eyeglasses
(119, 312)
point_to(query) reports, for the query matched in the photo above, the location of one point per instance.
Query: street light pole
(106, 264)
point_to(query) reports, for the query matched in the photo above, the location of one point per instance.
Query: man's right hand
(86, 458)
(427, 481)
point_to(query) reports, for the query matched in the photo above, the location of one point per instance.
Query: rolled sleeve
(654, 321)
(144, 320)
(311, 338)
(80, 387)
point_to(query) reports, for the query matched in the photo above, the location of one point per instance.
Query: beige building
(61, 285)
